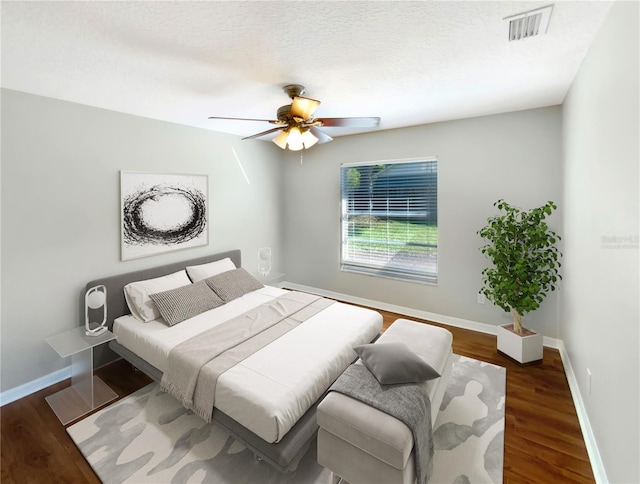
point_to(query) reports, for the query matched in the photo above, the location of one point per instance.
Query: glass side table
(273, 279)
(87, 392)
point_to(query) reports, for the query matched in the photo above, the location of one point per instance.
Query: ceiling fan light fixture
(303, 107)
(308, 139)
(295, 138)
(281, 139)
(295, 141)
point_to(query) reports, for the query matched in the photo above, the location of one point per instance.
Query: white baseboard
(589, 438)
(595, 458)
(22, 391)
(416, 313)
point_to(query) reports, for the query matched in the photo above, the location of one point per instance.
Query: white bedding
(270, 390)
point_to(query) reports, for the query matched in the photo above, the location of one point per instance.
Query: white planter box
(523, 349)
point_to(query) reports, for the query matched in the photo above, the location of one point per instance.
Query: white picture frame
(162, 212)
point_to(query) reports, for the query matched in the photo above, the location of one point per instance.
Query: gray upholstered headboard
(116, 303)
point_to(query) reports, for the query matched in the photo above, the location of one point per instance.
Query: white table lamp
(264, 261)
(95, 298)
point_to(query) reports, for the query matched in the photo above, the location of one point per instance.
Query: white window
(390, 219)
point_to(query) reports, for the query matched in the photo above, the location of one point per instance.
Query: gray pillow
(394, 363)
(230, 285)
(176, 305)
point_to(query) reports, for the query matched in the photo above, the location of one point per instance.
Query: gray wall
(600, 317)
(515, 156)
(60, 210)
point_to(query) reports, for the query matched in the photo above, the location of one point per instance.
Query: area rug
(148, 437)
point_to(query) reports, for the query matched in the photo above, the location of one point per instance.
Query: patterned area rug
(148, 437)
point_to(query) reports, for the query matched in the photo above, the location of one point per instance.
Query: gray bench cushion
(387, 439)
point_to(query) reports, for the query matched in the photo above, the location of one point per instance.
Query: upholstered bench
(363, 445)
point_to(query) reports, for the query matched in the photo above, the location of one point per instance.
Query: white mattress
(270, 390)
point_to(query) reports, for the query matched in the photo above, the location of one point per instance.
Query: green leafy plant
(525, 259)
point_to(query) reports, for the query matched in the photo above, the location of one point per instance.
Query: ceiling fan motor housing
(284, 113)
(293, 90)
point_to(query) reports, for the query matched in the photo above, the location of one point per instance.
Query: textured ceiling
(408, 62)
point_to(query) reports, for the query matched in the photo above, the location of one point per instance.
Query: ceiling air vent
(529, 24)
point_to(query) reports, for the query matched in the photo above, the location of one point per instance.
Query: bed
(268, 400)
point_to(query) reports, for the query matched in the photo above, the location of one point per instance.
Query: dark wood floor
(543, 441)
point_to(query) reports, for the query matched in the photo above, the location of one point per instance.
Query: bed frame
(283, 455)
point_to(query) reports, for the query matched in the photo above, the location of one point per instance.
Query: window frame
(359, 267)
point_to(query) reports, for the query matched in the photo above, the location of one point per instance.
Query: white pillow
(204, 271)
(138, 293)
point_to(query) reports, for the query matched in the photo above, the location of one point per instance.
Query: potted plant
(525, 268)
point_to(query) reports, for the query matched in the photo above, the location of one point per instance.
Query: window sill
(429, 280)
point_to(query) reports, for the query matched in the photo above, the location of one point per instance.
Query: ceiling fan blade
(264, 133)
(350, 122)
(303, 107)
(272, 121)
(322, 137)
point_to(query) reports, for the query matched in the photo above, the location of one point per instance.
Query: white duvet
(270, 390)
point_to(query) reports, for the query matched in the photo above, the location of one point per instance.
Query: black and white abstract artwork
(162, 212)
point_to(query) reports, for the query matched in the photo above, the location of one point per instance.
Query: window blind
(390, 219)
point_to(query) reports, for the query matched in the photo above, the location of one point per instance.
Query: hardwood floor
(543, 441)
(35, 445)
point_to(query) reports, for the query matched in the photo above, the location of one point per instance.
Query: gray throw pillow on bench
(393, 363)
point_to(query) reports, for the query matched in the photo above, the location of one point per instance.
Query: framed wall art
(162, 212)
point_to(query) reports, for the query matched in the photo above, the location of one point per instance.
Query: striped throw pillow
(176, 305)
(230, 285)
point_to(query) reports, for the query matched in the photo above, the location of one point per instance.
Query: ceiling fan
(298, 128)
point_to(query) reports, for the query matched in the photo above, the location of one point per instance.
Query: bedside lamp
(95, 298)
(264, 262)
